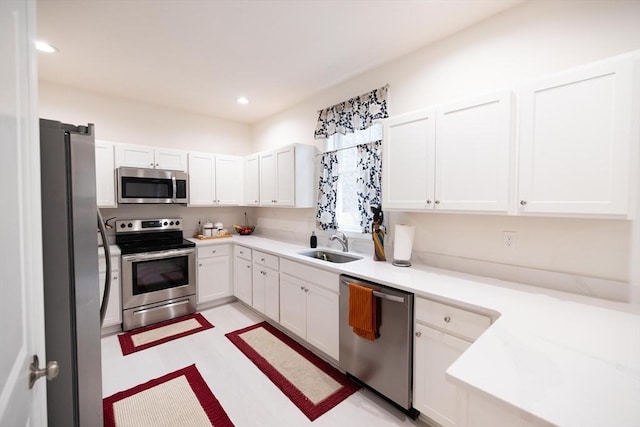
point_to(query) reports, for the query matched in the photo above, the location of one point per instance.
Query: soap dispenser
(313, 241)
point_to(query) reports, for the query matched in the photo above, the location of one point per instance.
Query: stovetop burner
(150, 235)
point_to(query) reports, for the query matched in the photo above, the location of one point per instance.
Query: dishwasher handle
(388, 297)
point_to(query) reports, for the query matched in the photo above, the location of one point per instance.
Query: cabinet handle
(306, 289)
(248, 266)
(418, 334)
(428, 202)
(157, 164)
(437, 202)
(447, 319)
(523, 202)
(199, 265)
(262, 259)
(213, 252)
(151, 164)
(302, 288)
(256, 201)
(241, 252)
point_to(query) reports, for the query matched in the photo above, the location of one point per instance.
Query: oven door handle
(148, 256)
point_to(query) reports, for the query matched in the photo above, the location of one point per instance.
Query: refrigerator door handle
(107, 259)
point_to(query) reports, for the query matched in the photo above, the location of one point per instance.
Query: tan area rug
(309, 382)
(181, 398)
(152, 335)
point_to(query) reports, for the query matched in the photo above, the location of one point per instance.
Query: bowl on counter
(244, 230)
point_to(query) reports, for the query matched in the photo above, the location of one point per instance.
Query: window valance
(357, 113)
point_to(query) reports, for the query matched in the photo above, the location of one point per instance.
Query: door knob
(523, 202)
(51, 371)
(418, 334)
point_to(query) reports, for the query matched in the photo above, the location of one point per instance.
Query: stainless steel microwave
(138, 185)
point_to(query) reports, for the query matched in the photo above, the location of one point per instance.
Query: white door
(251, 188)
(105, 175)
(175, 160)
(228, 180)
(134, 156)
(323, 320)
(293, 310)
(21, 283)
(285, 177)
(408, 157)
(473, 148)
(243, 280)
(578, 130)
(268, 179)
(202, 170)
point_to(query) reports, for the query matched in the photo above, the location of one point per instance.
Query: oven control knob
(130, 225)
(171, 223)
(177, 222)
(166, 223)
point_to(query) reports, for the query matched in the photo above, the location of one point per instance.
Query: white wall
(133, 122)
(523, 43)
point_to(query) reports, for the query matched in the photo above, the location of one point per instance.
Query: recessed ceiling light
(47, 47)
(242, 100)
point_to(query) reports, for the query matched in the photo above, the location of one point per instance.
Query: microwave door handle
(173, 182)
(107, 260)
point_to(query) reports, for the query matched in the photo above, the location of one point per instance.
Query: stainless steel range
(158, 271)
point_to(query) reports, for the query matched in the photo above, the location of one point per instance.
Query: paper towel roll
(403, 242)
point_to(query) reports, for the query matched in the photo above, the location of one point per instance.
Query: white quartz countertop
(560, 358)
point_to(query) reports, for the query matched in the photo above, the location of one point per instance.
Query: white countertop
(566, 359)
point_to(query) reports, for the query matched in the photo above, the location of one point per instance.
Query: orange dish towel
(363, 316)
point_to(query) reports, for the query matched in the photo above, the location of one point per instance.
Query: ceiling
(200, 55)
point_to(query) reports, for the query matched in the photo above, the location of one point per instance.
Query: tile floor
(248, 397)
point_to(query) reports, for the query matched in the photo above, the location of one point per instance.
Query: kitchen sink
(330, 256)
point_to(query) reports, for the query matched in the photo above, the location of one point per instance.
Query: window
(347, 213)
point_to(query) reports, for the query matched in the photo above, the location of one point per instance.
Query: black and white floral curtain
(326, 215)
(357, 113)
(369, 164)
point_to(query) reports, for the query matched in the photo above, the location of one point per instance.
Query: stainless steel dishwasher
(384, 365)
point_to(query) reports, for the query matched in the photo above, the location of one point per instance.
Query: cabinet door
(577, 130)
(473, 148)
(322, 320)
(285, 177)
(251, 188)
(134, 156)
(202, 169)
(292, 305)
(214, 278)
(243, 280)
(258, 292)
(434, 352)
(105, 175)
(268, 179)
(228, 180)
(408, 161)
(170, 159)
(272, 294)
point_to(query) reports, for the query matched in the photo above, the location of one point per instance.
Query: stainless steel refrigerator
(71, 288)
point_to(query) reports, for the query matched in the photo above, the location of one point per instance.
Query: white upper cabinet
(473, 149)
(453, 158)
(105, 175)
(287, 176)
(251, 188)
(142, 156)
(214, 180)
(408, 161)
(579, 140)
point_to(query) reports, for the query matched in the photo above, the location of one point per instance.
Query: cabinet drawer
(329, 281)
(267, 260)
(242, 252)
(453, 320)
(213, 250)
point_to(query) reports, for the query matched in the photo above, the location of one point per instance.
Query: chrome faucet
(343, 240)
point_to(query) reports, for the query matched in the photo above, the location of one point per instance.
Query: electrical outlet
(509, 239)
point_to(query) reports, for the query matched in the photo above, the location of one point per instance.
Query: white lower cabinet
(442, 334)
(309, 305)
(113, 315)
(214, 273)
(243, 280)
(266, 285)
